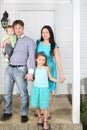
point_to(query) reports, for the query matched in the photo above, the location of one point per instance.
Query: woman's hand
(62, 78)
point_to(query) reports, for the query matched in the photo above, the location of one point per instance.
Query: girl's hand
(58, 81)
(29, 77)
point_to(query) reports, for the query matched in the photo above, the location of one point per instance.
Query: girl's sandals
(45, 125)
(40, 123)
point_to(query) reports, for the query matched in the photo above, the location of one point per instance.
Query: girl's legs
(40, 120)
(39, 116)
(36, 115)
(45, 113)
(51, 103)
(41, 112)
(38, 112)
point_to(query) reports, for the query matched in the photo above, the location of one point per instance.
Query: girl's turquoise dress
(40, 94)
(50, 59)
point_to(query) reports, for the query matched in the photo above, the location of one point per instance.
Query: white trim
(36, 1)
(17, 7)
(76, 63)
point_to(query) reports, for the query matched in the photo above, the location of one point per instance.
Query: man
(17, 72)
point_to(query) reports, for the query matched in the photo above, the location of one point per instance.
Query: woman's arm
(58, 64)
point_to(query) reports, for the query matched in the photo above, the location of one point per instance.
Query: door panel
(35, 20)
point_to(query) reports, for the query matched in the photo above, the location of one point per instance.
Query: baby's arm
(50, 76)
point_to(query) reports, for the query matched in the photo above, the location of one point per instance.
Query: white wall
(64, 39)
(63, 35)
(83, 46)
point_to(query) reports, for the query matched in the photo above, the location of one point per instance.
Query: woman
(48, 45)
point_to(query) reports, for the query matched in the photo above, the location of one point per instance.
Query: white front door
(33, 22)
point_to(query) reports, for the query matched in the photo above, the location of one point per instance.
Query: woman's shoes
(35, 115)
(49, 116)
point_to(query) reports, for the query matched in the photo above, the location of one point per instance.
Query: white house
(37, 13)
(70, 30)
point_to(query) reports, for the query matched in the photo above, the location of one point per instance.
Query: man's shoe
(6, 116)
(49, 117)
(24, 119)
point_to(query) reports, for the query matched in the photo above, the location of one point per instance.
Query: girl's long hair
(51, 39)
(41, 54)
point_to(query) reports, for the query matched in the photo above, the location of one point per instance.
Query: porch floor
(61, 116)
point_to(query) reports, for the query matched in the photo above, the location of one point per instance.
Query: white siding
(63, 35)
(83, 46)
(64, 40)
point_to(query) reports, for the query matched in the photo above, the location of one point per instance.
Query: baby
(8, 42)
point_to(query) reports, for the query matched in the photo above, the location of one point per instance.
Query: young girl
(40, 95)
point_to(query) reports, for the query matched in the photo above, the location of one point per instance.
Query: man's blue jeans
(16, 75)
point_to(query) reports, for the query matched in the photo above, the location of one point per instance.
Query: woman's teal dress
(50, 59)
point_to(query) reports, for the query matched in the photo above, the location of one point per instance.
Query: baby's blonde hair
(9, 26)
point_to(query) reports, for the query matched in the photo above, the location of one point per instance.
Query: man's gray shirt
(24, 49)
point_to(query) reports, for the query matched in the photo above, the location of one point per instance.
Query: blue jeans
(16, 75)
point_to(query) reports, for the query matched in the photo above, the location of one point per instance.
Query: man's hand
(29, 77)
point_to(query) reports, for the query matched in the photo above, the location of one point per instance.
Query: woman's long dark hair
(51, 39)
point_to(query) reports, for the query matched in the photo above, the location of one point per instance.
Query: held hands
(59, 81)
(62, 78)
(29, 77)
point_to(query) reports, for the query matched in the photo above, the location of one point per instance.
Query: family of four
(44, 58)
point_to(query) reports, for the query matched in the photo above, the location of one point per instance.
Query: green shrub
(84, 113)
